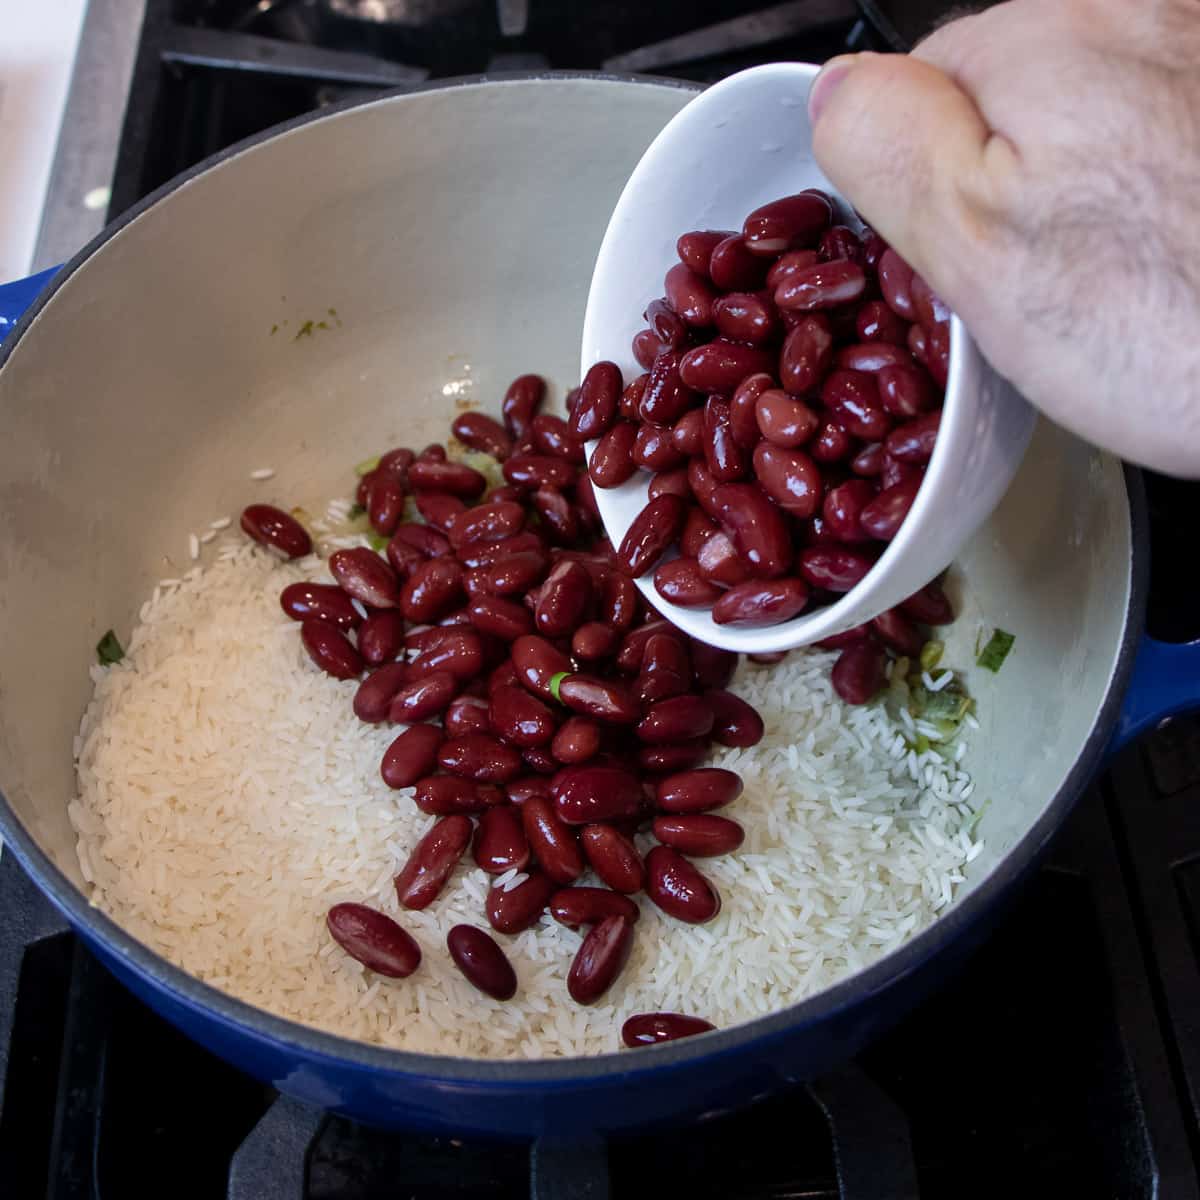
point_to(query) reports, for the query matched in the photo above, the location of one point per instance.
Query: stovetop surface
(1064, 1060)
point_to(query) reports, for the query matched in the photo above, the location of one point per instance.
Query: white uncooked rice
(228, 796)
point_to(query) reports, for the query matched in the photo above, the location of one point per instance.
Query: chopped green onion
(556, 683)
(950, 704)
(996, 651)
(367, 466)
(356, 511)
(978, 817)
(931, 655)
(900, 668)
(377, 541)
(922, 744)
(109, 650)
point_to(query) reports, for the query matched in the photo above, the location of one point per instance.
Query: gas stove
(1064, 1061)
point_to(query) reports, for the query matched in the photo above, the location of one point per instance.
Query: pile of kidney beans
(793, 385)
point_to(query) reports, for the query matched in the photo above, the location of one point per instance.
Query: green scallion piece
(356, 511)
(996, 651)
(377, 541)
(556, 683)
(931, 655)
(109, 650)
(366, 466)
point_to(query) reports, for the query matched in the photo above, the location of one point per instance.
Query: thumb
(907, 147)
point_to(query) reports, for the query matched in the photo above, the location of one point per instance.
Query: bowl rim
(294, 1038)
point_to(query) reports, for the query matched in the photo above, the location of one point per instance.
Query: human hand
(1039, 165)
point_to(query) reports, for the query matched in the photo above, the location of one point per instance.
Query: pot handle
(17, 296)
(1165, 681)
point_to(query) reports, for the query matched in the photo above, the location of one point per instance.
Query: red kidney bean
(451, 479)
(500, 618)
(585, 499)
(873, 248)
(500, 843)
(381, 636)
(619, 600)
(937, 354)
(666, 670)
(676, 719)
(630, 407)
(330, 649)
(502, 675)
(521, 791)
(467, 714)
(789, 477)
(704, 486)
(599, 960)
(673, 756)
(538, 758)
(449, 795)
(483, 962)
(732, 267)
(712, 667)
(520, 907)
(521, 402)
(868, 462)
(681, 582)
(563, 599)
(690, 295)
(786, 223)
(679, 888)
(783, 420)
(433, 589)
(872, 357)
(701, 835)
(897, 631)
(895, 282)
(884, 515)
(698, 790)
(612, 459)
(577, 740)
(429, 542)
(852, 398)
(875, 322)
(376, 692)
(648, 1029)
(552, 435)
(438, 508)
(720, 365)
(411, 756)
(520, 718)
(789, 264)
(930, 606)
(832, 444)
(576, 906)
(385, 502)
(480, 432)
(756, 527)
(594, 640)
(807, 353)
(746, 317)
(584, 795)
(271, 526)
(480, 757)
(742, 407)
(687, 433)
(667, 324)
(719, 562)
(697, 529)
(725, 459)
(434, 452)
(486, 523)
(453, 649)
(613, 857)
(516, 573)
(423, 698)
(824, 285)
(374, 939)
(905, 391)
(650, 533)
(833, 569)
(601, 699)
(533, 471)
(320, 602)
(858, 673)
(654, 449)
(365, 576)
(553, 843)
(769, 658)
(695, 248)
(537, 662)
(913, 441)
(673, 483)
(761, 602)
(646, 348)
(397, 462)
(930, 309)
(844, 505)
(840, 241)
(735, 723)
(839, 641)
(599, 395)
(432, 861)
(666, 398)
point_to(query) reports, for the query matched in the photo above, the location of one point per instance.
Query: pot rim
(294, 1038)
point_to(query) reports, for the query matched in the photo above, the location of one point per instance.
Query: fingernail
(832, 73)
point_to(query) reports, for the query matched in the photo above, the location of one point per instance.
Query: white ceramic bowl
(739, 144)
